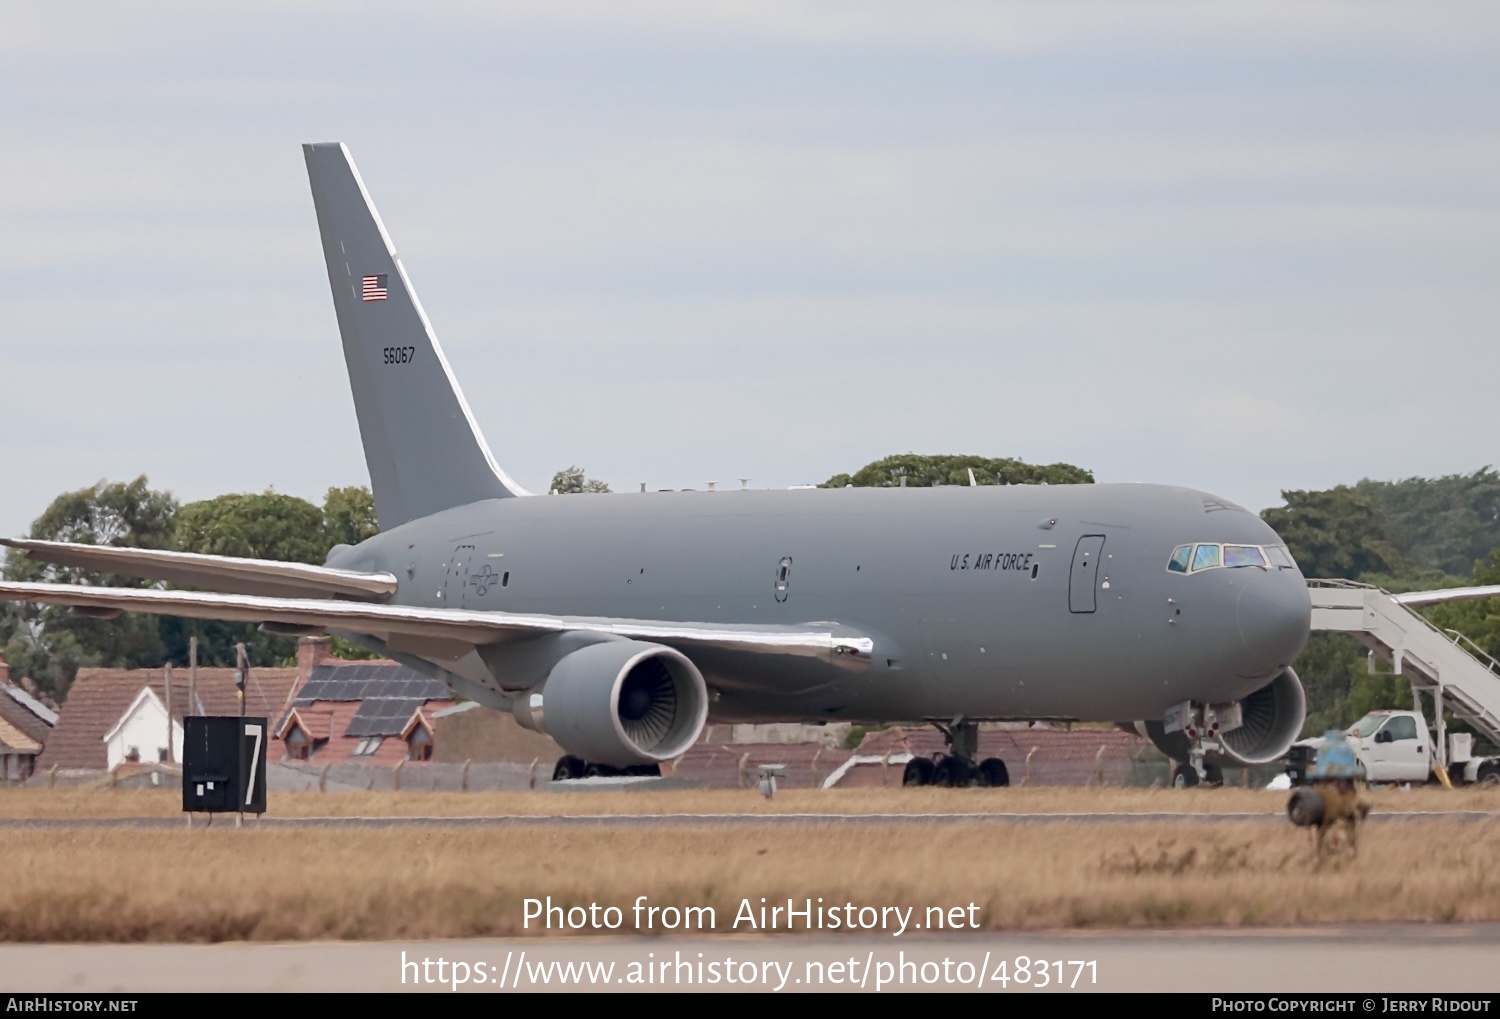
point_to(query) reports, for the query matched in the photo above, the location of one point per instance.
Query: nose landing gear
(957, 768)
(1188, 774)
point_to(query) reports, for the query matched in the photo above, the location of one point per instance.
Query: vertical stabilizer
(422, 446)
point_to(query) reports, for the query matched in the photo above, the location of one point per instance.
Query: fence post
(323, 778)
(1026, 779)
(463, 782)
(52, 776)
(531, 774)
(814, 766)
(744, 758)
(885, 769)
(396, 776)
(1098, 773)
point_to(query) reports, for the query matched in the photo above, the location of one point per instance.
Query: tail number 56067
(400, 355)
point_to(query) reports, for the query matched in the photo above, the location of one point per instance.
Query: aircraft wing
(450, 626)
(223, 573)
(1446, 594)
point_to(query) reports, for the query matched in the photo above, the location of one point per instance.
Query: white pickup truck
(1396, 746)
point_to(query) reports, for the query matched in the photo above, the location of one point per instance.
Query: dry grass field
(122, 885)
(113, 803)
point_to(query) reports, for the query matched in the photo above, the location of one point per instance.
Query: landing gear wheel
(918, 772)
(952, 772)
(1489, 775)
(1184, 776)
(1213, 775)
(993, 773)
(568, 767)
(644, 770)
(599, 771)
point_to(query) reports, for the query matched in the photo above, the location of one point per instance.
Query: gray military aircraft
(620, 624)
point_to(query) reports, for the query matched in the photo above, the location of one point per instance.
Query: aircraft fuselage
(989, 602)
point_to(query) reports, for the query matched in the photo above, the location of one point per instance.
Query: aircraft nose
(1275, 617)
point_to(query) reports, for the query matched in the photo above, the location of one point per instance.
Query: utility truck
(1447, 671)
(1398, 747)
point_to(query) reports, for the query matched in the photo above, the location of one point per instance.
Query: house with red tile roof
(324, 710)
(113, 716)
(25, 726)
(377, 712)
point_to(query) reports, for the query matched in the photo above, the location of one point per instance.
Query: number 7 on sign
(252, 730)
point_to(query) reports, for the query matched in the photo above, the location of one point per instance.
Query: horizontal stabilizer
(1446, 594)
(220, 573)
(453, 625)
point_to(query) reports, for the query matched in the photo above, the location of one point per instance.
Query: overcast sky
(1243, 247)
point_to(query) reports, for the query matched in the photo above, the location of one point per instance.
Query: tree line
(1416, 534)
(49, 643)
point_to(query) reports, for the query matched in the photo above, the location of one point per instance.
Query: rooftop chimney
(310, 652)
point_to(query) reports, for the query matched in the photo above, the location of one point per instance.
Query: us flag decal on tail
(374, 288)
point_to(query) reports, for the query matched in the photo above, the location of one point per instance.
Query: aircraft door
(456, 582)
(1084, 579)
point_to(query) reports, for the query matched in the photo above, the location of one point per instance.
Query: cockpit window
(1206, 557)
(1243, 555)
(1280, 557)
(1211, 555)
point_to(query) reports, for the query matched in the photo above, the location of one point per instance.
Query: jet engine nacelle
(1271, 720)
(620, 702)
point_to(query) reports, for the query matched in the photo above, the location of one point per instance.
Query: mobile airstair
(1445, 664)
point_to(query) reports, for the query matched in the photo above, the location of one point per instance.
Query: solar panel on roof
(381, 717)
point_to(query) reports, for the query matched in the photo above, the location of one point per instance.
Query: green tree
(1446, 523)
(268, 525)
(1339, 533)
(921, 471)
(349, 516)
(570, 481)
(50, 642)
(265, 526)
(1479, 619)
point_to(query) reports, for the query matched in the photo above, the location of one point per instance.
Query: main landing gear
(576, 767)
(956, 769)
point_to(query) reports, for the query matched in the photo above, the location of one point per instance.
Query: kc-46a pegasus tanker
(620, 624)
